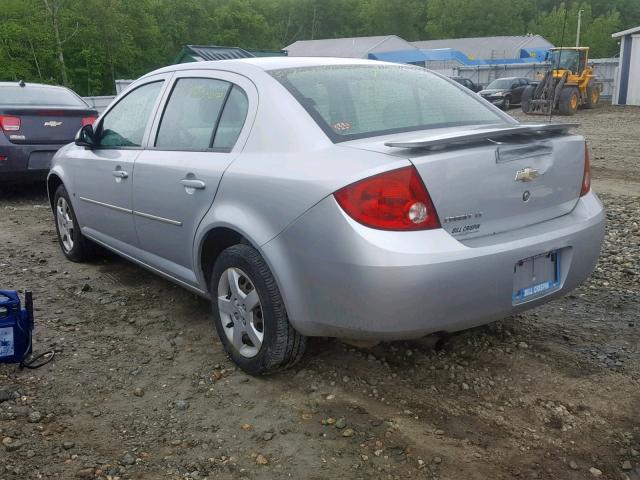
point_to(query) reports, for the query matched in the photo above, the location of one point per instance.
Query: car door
(103, 175)
(201, 129)
(518, 88)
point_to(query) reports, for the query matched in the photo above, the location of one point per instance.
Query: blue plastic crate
(16, 325)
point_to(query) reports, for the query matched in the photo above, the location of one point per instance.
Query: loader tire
(593, 96)
(527, 95)
(569, 101)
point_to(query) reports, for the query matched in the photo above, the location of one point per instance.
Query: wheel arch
(54, 180)
(212, 243)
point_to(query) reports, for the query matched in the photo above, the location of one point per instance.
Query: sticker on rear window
(341, 126)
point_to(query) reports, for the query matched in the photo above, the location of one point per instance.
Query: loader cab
(572, 59)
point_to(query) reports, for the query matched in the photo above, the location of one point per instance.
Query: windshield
(501, 83)
(565, 60)
(356, 101)
(38, 96)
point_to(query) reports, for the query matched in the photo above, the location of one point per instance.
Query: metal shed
(354, 47)
(203, 53)
(627, 90)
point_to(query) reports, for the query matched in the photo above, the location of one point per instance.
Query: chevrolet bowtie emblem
(527, 174)
(52, 123)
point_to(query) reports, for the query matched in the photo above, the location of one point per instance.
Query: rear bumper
(341, 279)
(25, 162)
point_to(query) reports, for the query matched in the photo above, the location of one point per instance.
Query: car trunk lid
(484, 183)
(50, 125)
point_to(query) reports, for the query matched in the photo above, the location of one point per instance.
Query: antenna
(564, 24)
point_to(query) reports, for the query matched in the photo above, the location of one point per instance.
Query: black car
(465, 82)
(35, 121)
(505, 92)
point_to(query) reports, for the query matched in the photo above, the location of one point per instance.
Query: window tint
(354, 101)
(500, 83)
(192, 112)
(232, 120)
(33, 95)
(524, 81)
(124, 125)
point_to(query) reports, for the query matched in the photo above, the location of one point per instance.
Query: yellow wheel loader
(568, 85)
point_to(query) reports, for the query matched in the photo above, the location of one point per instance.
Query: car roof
(268, 63)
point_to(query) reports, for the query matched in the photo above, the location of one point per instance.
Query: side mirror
(86, 137)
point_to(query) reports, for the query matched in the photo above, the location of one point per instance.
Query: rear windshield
(357, 101)
(39, 96)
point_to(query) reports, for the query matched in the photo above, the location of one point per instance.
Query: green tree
(475, 18)
(560, 26)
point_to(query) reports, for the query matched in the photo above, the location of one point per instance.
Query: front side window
(356, 101)
(192, 114)
(124, 124)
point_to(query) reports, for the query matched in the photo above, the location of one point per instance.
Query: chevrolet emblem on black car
(52, 123)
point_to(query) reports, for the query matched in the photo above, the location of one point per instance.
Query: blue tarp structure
(422, 57)
(538, 54)
(402, 56)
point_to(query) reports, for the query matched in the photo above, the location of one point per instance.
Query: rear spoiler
(483, 133)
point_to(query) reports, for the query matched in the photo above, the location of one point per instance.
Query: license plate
(536, 276)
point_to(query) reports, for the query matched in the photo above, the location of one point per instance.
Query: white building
(356, 47)
(627, 90)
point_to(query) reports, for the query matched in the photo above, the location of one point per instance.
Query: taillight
(395, 200)
(88, 120)
(9, 124)
(586, 176)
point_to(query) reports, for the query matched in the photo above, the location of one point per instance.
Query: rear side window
(232, 119)
(124, 124)
(192, 113)
(35, 96)
(356, 101)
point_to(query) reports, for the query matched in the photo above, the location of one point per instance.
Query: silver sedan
(329, 197)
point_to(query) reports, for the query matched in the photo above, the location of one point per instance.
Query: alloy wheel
(66, 227)
(240, 312)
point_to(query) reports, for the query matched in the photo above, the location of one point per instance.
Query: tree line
(88, 44)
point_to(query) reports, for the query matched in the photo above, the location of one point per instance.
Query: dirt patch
(141, 388)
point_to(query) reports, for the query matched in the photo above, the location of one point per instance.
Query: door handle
(191, 183)
(120, 174)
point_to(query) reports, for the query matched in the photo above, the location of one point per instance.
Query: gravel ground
(140, 387)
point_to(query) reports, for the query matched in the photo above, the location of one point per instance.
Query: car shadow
(36, 191)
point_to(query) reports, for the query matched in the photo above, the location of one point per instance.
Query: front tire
(74, 245)
(506, 104)
(569, 101)
(250, 315)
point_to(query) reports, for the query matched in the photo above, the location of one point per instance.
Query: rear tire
(75, 246)
(249, 313)
(569, 101)
(527, 95)
(593, 96)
